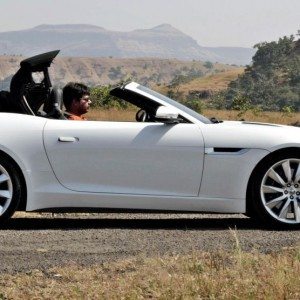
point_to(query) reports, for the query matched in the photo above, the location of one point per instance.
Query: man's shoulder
(74, 117)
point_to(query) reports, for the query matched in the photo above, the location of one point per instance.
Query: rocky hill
(163, 41)
(103, 71)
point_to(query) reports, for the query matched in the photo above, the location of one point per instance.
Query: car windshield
(175, 104)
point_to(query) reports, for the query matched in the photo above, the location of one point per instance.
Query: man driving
(76, 98)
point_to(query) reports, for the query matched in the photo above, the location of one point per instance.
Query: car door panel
(126, 157)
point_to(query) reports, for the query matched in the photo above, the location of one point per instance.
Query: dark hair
(74, 90)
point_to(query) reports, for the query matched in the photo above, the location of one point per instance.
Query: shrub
(101, 98)
(208, 65)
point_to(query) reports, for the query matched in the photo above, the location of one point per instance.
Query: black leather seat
(54, 104)
(5, 101)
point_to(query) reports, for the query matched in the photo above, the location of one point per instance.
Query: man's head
(76, 97)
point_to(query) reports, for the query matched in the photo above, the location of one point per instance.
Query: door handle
(68, 139)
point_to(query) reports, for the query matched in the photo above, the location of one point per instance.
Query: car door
(126, 157)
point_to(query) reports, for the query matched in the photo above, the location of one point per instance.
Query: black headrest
(54, 99)
(54, 104)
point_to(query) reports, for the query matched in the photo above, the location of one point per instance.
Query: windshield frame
(181, 107)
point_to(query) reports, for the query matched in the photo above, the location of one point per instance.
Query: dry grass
(269, 117)
(217, 275)
(213, 83)
(112, 115)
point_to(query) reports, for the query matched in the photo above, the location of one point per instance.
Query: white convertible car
(170, 159)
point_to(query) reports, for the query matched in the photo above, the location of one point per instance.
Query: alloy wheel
(280, 191)
(6, 190)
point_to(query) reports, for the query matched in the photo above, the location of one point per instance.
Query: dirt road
(42, 241)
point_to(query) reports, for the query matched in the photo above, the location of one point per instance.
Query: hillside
(272, 82)
(103, 71)
(212, 83)
(82, 40)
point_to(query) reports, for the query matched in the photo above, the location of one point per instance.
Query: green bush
(208, 65)
(101, 98)
(195, 104)
(273, 80)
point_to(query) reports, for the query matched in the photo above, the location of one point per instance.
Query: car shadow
(210, 223)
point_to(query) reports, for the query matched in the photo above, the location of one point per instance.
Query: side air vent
(231, 150)
(221, 150)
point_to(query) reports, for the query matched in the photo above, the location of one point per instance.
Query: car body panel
(226, 174)
(250, 135)
(21, 138)
(126, 157)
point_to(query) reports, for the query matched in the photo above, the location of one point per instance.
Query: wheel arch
(249, 208)
(23, 201)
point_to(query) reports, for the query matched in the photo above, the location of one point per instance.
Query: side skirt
(121, 202)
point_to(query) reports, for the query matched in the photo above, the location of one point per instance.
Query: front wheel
(276, 191)
(10, 189)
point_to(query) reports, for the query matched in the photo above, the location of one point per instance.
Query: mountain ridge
(85, 40)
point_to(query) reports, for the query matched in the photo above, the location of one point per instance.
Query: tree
(273, 80)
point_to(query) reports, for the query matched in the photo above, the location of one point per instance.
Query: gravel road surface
(43, 241)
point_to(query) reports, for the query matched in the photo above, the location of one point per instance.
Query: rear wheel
(10, 189)
(276, 191)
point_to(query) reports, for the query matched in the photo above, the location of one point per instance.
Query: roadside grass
(201, 275)
(269, 117)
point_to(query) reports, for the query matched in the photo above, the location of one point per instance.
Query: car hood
(242, 134)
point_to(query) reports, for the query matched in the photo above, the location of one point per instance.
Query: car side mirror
(167, 115)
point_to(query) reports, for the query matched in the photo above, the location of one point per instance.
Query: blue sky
(212, 23)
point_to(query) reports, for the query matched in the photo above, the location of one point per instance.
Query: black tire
(275, 191)
(10, 186)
